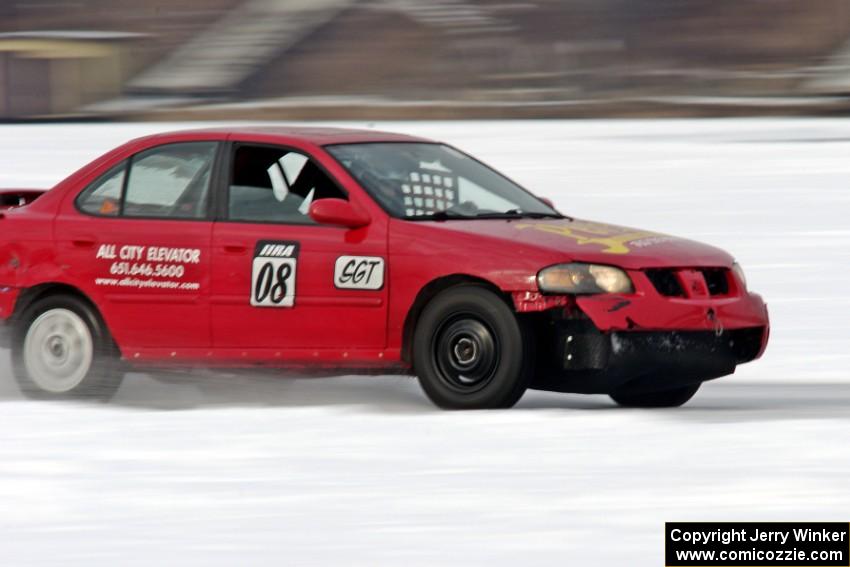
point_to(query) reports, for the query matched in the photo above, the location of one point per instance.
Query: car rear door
(137, 240)
(283, 286)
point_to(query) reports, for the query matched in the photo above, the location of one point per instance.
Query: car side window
(269, 184)
(170, 181)
(103, 197)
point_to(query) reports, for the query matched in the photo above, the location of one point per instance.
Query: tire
(470, 351)
(62, 350)
(664, 399)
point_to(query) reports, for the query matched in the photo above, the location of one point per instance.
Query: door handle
(235, 248)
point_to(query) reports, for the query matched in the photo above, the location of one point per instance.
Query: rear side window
(103, 197)
(171, 181)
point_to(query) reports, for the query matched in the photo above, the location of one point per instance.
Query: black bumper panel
(579, 358)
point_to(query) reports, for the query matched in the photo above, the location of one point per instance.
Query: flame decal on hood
(613, 239)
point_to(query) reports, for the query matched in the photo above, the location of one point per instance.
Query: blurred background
(403, 59)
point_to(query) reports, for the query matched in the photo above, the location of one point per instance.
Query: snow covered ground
(363, 471)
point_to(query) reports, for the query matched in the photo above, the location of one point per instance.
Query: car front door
(283, 286)
(137, 240)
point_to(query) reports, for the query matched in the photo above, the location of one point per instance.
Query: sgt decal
(359, 272)
(273, 273)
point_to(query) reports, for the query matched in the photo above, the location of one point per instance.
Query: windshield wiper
(519, 214)
(438, 216)
(510, 214)
(544, 215)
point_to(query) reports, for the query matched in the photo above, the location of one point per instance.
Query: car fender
(422, 260)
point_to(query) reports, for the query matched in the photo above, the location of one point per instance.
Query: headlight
(584, 278)
(739, 271)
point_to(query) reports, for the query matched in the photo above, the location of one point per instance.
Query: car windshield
(423, 181)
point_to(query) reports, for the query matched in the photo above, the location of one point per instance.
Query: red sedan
(356, 251)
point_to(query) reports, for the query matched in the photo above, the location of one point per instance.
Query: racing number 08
(272, 282)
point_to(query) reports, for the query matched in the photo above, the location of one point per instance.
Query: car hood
(588, 241)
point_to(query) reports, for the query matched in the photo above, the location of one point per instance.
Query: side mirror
(339, 212)
(547, 201)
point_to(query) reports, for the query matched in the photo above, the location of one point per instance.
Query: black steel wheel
(466, 353)
(470, 351)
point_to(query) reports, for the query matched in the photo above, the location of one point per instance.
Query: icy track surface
(363, 471)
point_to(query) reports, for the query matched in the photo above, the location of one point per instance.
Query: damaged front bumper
(585, 360)
(645, 342)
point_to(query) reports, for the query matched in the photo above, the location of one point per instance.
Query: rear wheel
(62, 350)
(470, 351)
(672, 398)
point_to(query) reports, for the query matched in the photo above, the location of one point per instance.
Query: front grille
(717, 280)
(667, 283)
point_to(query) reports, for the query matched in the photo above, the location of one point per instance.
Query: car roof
(309, 134)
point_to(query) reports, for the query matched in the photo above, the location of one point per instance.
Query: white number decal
(273, 274)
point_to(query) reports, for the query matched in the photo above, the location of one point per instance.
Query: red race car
(354, 251)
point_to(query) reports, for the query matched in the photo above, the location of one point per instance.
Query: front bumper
(654, 312)
(582, 359)
(646, 342)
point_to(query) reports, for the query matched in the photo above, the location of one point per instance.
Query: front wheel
(470, 351)
(672, 398)
(62, 350)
